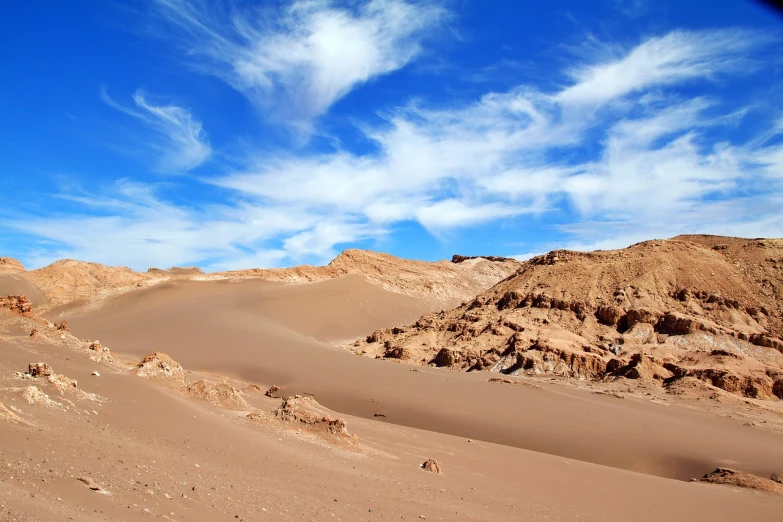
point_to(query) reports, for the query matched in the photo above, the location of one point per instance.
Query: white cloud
(450, 213)
(299, 59)
(674, 58)
(132, 224)
(180, 142)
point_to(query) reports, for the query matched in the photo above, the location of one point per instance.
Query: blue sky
(257, 134)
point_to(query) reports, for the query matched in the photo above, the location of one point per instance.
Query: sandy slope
(255, 331)
(13, 284)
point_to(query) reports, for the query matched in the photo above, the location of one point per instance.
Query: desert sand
(319, 393)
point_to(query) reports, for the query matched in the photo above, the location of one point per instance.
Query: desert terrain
(638, 384)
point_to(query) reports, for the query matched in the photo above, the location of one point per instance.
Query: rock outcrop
(305, 412)
(220, 394)
(432, 466)
(41, 372)
(162, 368)
(40, 369)
(17, 304)
(741, 479)
(34, 395)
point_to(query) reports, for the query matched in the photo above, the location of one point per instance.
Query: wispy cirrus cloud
(179, 141)
(297, 59)
(621, 152)
(513, 154)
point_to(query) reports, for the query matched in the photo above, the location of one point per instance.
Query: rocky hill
(689, 311)
(68, 281)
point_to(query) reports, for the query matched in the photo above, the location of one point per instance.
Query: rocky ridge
(77, 283)
(702, 308)
(442, 279)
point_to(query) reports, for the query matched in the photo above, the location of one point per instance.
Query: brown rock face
(640, 315)
(272, 390)
(658, 311)
(432, 466)
(640, 367)
(608, 315)
(446, 357)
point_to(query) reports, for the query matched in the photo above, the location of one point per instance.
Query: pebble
(96, 374)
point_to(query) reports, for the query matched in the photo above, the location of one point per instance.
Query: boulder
(446, 357)
(432, 466)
